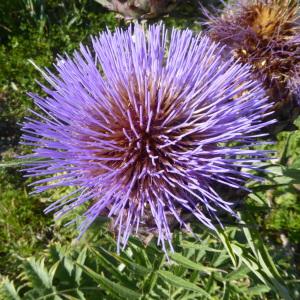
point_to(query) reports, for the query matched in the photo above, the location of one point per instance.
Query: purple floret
(141, 125)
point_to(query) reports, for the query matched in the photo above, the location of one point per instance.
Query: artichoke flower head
(265, 34)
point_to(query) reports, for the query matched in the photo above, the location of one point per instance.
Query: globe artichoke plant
(133, 9)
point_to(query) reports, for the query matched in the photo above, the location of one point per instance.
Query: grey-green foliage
(231, 264)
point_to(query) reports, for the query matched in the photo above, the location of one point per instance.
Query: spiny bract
(140, 126)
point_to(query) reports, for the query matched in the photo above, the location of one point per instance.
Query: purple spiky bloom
(141, 126)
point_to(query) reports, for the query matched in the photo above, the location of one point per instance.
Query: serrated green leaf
(68, 264)
(226, 292)
(150, 282)
(53, 269)
(137, 268)
(228, 246)
(109, 266)
(283, 180)
(37, 273)
(137, 248)
(209, 283)
(187, 263)
(283, 158)
(220, 258)
(8, 290)
(264, 260)
(181, 283)
(261, 201)
(237, 274)
(70, 297)
(80, 294)
(275, 170)
(258, 290)
(252, 263)
(110, 286)
(80, 260)
(189, 245)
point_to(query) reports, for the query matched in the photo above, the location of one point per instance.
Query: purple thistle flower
(141, 127)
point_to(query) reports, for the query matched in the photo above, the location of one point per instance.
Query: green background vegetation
(258, 260)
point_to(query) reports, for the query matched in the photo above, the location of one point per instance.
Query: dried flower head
(141, 127)
(265, 34)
